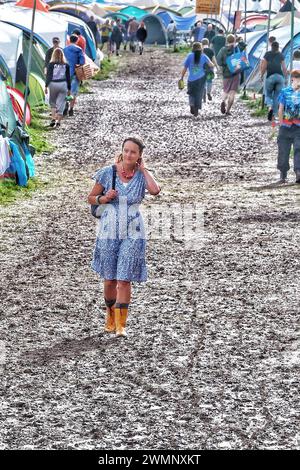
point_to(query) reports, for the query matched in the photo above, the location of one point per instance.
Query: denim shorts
(74, 85)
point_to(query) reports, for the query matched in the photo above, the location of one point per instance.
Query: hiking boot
(196, 112)
(223, 107)
(298, 176)
(270, 114)
(52, 123)
(71, 112)
(209, 97)
(192, 109)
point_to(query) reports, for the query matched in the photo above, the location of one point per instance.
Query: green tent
(36, 86)
(138, 13)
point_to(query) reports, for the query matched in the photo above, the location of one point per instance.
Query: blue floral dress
(121, 243)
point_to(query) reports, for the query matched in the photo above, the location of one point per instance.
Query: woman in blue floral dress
(119, 255)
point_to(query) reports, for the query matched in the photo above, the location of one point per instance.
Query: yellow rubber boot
(110, 323)
(121, 314)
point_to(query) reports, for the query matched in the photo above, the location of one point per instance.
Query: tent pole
(292, 34)
(269, 25)
(229, 13)
(221, 12)
(238, 9)
(29, 64)
(245, 38)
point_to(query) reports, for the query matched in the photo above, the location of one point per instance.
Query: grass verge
(107, 67)
(10, 192)
(38, 130)
(255, 105)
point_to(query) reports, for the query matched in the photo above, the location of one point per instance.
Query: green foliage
(84, 88)
(256, 107)
(38, 130)
(181, 48)
(10, 191)
(107, 67)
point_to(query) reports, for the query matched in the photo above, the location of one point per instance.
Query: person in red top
(81, 42)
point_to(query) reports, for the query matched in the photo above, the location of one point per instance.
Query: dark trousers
(288, 137)
(195, 91)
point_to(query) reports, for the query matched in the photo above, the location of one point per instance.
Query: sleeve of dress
(101, 177)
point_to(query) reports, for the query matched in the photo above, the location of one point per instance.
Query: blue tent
(156, 30)
(182, 24)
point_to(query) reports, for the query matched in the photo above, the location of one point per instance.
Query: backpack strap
(114, 168)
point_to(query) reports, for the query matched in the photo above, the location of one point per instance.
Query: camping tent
(7, 115)
(73, 22)
(11, 46)
(45, 26)
(156, 30)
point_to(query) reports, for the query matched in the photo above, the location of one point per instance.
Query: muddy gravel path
(212, 356)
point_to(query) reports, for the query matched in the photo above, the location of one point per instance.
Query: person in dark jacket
(58, 81)
(141, 36)
(117, 35)
(209, 33)
(93, 27)
(49, 52)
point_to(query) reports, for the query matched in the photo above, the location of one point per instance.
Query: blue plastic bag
(237, 62)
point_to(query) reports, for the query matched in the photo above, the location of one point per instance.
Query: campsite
(211, 359)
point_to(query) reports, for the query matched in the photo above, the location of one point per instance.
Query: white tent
(11, 46)
(44, 26)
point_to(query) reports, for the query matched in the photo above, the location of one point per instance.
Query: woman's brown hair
(58, 57)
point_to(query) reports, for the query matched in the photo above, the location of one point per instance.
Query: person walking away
(58, 80)
(75, 57)
(289, 130)
(93, 27)
(218, 41)
(126, 35)
(119, 254)
(141, 36)
(171, 34)
(132, 30)
(198, 31)
(209, 73)
(195, 63)
(231, 81)
(81, 42)
(49, 52)
(209, 33)
(117, 36)
(273, 64)
(105, 31)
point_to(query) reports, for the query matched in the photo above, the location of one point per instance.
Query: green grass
(10, 192)
(255, 105)
(107, 67)
(84, 88)
(179, 49)
(38, 130)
